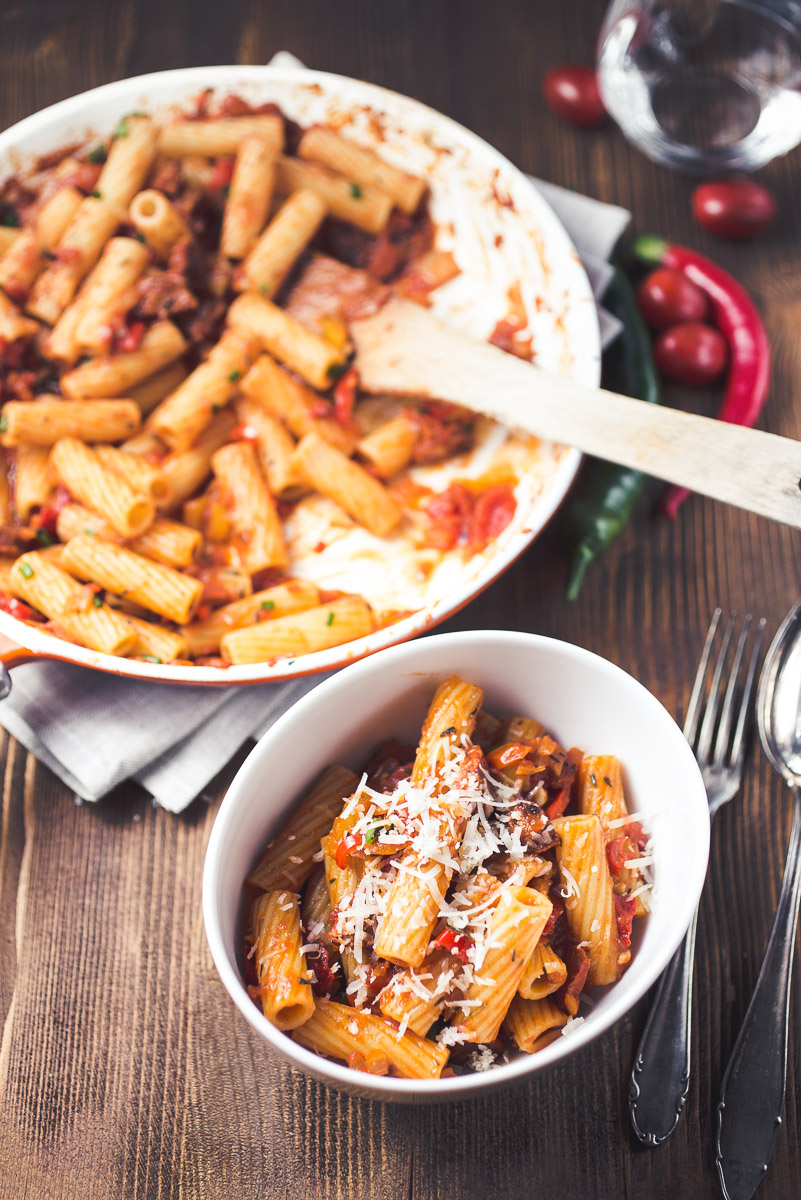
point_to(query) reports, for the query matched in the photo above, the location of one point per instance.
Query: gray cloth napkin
(94, 731)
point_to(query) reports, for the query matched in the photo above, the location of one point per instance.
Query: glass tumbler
(706, 86)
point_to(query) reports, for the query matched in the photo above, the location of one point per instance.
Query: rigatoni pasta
(195, 275)
(493, 956)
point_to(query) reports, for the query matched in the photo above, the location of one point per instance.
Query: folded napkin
(94, 731)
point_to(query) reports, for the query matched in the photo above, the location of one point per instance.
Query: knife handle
(660, 1079)
(752, 1094)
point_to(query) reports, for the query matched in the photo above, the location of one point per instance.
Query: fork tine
(738, 744)
(710, 715)
(727, 711)
(694, 707)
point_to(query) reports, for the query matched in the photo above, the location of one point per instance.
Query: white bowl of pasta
(427, 919)
(140, 255)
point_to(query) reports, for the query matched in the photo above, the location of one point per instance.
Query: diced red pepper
(558, 805)
(637, 834)
(507, 754)
(17, 608)
(244, 433)
(616, 853)
(345, 397)
(624, 912)
(220, 176)
(130, 337)
(493, 511)
(455, 943)
(349, 843)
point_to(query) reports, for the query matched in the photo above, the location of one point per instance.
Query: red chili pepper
(345, 397)
(738, 320)
(455, 943)
(349, 843)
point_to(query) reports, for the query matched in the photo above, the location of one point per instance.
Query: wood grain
(124, 1069)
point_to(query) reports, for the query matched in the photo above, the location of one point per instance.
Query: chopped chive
(330, 618)
(224, 190)
(336, 371)
(151, 658)
(607, 781)
(140, 237)
(91, 532)
(234, 375)
(3, 423)
(26, 570)
(10, 218)
(356, 191)
(98, 156)
(371, 835)
(263, 288)
(267, 605)
(449, 731)
(215, 408)
(121, 129)
(97, 600)
(43, 537)
(49, 256)
(96, 195)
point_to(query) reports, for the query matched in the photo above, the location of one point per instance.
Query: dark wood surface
(124, 1069)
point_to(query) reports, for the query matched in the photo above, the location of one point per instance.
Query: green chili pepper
(606, 502)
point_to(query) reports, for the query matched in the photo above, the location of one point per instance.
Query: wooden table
(124, 1069)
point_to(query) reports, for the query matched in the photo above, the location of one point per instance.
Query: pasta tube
(544, 974)
(284, 983)
(331, 624)
(185, 470)
(389, 448)
(312, 357)
(259, 538)
(156, 642)
(533, 1023)
(152, 214)
(130, 157)
(115, 374)
(329, 471)
(165, 541)
(249, 195)
(107, 291)
(33, 479)
(274, 446)
(289, 232)
(288, 401)
(21, 263)
(587, 887)
(143, 476)
(78, 250)
(517, 922)
(288, 861)
(203, 637)
(156, 587)
(88, 480)
(38, 581)
(13, 326)
(338, 1031)
(183, 416)
(224, 135)
(362, 166)
(152, 391)
(365, 207)
(44, 422)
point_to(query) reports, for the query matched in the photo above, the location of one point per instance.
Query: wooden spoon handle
(402, 349)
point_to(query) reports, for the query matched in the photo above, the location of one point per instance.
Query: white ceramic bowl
(584, 700)
(502, 233)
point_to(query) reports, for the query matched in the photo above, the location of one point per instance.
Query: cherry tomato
(691, 353)
(572, 92)
(733, 208)
(667, 297)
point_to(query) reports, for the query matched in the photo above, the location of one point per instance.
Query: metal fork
(717, 731)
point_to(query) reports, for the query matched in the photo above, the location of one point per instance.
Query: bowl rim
(461, 1086)
(186, 79)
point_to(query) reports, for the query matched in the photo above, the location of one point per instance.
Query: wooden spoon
(402, 349)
